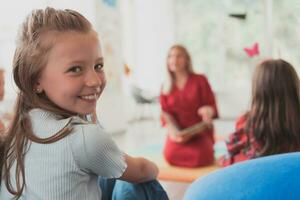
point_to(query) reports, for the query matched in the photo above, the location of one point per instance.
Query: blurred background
(136, 35)
(226, 39)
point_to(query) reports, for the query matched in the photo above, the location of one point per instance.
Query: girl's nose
(95, 79)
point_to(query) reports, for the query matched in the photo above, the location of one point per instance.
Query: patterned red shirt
(240, 145)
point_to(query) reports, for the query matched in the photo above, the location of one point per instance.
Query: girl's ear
(38, 88)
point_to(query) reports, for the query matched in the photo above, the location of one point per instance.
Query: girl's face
(177, 61)
(73, 77)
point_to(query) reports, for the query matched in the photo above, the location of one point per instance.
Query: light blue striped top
(68, 169)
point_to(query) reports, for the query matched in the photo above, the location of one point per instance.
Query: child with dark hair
(272, 124)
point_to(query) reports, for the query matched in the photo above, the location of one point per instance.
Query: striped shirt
(69, 168)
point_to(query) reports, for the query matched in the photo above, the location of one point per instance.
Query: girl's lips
(94, 96)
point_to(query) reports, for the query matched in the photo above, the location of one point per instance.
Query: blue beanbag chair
(274, 177)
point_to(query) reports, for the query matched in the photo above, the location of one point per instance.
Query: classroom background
(226, 39)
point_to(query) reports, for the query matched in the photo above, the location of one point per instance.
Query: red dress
(183, 105)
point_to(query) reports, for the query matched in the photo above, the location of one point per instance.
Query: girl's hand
(207, 113)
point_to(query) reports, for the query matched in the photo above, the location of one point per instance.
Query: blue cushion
(274, 177)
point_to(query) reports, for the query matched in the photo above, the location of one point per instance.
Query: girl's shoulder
(45, 123)
(92, 149)
(241, 121)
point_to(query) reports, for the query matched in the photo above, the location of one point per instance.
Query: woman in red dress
(187, 99)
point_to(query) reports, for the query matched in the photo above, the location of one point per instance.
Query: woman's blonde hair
(35, 40)
(169, 76)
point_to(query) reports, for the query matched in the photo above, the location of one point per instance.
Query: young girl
(53, 150)
(272, 124)
(186, 100)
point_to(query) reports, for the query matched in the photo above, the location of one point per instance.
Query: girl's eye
(98, 67)
(75, 69)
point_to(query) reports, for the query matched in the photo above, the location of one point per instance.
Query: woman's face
(177, 61)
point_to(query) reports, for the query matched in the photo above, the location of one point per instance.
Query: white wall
(148, 34)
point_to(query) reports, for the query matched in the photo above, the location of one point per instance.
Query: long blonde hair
(169, 76)
(34, 42)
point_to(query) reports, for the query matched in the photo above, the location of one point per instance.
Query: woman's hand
(180, 137)
(174, 132)
(207, 113)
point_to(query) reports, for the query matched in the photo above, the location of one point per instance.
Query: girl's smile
(92, 97)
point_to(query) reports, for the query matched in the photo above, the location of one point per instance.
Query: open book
(196, 128)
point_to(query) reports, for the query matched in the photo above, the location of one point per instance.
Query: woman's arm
(139, 170)
(207, 113)
(171, 124)
(174, 132)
